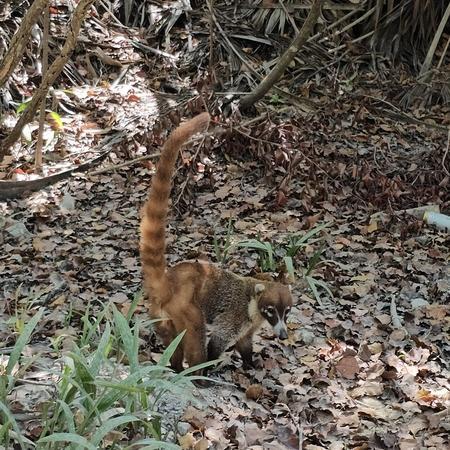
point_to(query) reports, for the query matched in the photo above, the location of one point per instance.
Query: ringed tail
(153, 223)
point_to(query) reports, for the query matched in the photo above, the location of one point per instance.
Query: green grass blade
(18, 434)
(120, 390)
(83, 374)
(152, 444)
(22, 341)
(312, 286)
(289, 264)
(67, 437)
(127, 338)
(313, 232)
(70, 420)
(197, 367)
(137, 296)
(253, 243)
(324, 286)
(169, 351)
(110, 425)
(101, 352)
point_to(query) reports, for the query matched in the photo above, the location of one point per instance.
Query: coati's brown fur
(192, 294)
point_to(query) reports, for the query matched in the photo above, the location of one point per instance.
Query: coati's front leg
(224, 334)
(245, 348)
(216, 346)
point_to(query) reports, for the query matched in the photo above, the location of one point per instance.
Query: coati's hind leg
(194, 340)
(167, 333)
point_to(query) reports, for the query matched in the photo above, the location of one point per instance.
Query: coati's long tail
(153, 224)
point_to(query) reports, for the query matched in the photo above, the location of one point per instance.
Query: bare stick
(124, 164)
(445, 155)
(396, 322)
(50, 77)
(40, 138)
(275, 74)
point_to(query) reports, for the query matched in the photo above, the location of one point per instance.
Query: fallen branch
(275, 74)
(14, 189)
(50, 77)
(124, 164)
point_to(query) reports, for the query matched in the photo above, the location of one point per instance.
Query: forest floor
(365, 367)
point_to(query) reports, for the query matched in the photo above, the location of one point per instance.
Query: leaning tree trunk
(275, 74)
(50, 77)
(20, 40)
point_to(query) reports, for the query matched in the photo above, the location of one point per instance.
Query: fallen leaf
(348, 367)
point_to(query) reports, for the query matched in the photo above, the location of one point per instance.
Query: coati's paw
(252, 363)
(203, 384)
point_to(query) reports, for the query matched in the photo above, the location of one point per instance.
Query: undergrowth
(103, 396)
(280, 257)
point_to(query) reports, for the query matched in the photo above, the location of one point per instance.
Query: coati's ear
(259, 287)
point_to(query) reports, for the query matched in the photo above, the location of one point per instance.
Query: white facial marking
(280, 328)
(259, 287)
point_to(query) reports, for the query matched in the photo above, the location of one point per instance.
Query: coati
(192, 294)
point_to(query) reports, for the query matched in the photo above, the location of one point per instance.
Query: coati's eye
(269, 310)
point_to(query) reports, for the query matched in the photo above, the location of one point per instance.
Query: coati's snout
(275, 302)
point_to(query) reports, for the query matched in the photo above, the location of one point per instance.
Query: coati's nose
(280, 330)
(283, 334)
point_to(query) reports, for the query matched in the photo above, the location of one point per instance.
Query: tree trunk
(275, 74)
(50, 77)
(20, 40)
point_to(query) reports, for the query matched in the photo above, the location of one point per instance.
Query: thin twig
(152, 50)
(35, 383)
(40, 138)
(445, 155)
(124, 164)
(396, 322)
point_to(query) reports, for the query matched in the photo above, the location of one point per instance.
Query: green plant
(266, 252)
(222, 246)
(8, 378)
(103, 391)
(273, 257)
(313, 282)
